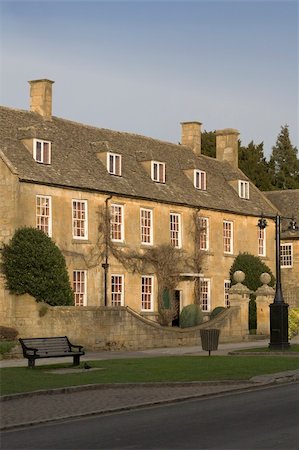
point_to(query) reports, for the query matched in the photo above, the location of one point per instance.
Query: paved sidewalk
(223, 349)
(59, 404)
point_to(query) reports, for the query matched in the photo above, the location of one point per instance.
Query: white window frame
(41, 158)
(44, 214)
(118, 224)
(226, 287)
(147, 297)
(243, 188)
(76, 220)
(80, 295)
(117, 289)
(205, 294)
(286, 255)
(146, 226)
(204, 233)
(158, 171)
(200, 180)
(114, 164)
(261, 241)
(228, 237)
(175, 230)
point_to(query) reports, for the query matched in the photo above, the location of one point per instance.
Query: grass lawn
(136, 370)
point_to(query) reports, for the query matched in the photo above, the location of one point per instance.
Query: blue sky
(146, 66)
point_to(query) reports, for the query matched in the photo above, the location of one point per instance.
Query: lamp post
(278, 309)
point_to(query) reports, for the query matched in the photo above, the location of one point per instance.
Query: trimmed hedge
(33, 264)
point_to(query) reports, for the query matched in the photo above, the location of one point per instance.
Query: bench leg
(31, 363)
(76, 360)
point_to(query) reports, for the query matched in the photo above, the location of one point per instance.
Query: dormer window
(114, 164)
(158, 172)
(200, 180)
(244, 189)
(42, 151)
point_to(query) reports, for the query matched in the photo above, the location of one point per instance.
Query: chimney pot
(41, 97)
(191, 136)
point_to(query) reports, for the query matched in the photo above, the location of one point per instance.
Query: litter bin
(209, 339)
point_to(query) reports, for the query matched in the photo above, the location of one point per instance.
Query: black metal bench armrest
(75, 346)
(26, 349)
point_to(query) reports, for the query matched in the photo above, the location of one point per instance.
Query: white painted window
(261, 241)
(205, 294)
(286, 255)
(117, 223)
(200, 180)
(227, 286)
(146, 226)
(175, 230)
(204, 233)
(80, 223)
(117, 290)
(80, 287)
(147, 289)
(114, 163)
(44, 214)
(42, 151)
(243, 189)
(227, 236)
(158, 172)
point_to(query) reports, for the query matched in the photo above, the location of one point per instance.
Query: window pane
(43, 214)
(146, 293)
(79, 219)
(79, 287)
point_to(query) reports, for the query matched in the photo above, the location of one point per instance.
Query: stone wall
(110, 328)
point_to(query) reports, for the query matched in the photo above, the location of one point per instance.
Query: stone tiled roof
(75, 164)
(287, 204)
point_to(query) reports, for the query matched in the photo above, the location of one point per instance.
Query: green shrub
(191, 316)
(33, 264)
(216, 311)
(7, 346)
(293, 322)
(253, 267)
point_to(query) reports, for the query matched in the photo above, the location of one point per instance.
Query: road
(260, 419)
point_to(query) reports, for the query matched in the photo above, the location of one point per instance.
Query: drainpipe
(105, 265)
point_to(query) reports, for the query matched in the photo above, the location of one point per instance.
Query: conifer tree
(253, 163)
(208, 143)
(285, 162)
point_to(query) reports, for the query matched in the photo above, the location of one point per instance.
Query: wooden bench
(50, 347)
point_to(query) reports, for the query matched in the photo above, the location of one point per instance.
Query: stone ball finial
(239, 276)
(265, 278)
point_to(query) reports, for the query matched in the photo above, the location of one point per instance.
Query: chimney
(191, 136)
(41, 97)
(227, 146)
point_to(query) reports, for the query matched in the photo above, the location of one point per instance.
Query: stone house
(63, 177)
(287, 203)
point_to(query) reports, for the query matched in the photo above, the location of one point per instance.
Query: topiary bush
(253, 267)
(33, 264)
(216, 311)
(191, 316)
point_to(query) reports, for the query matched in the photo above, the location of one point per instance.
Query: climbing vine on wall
(165, 261)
